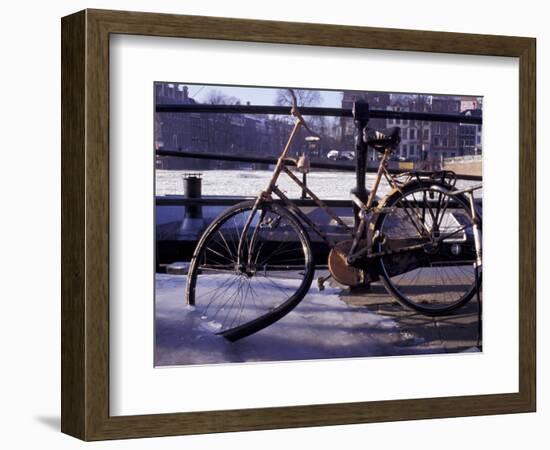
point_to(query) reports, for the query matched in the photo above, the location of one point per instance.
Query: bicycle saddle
(382, 139)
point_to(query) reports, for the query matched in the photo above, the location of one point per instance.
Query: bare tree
(305, 97)
(216, 97)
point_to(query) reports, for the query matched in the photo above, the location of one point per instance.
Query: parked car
(340, 155)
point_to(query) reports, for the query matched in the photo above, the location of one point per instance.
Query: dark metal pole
(360, 119)
(193, 222)
(316, 111)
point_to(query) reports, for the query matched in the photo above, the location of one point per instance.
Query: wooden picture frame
(85, 224)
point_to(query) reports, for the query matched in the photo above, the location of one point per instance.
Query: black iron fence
(318, 111)
(360, 113)
(171, 249)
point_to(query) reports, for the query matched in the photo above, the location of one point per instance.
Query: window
(195, 128)
(412, 133)
(204, 129)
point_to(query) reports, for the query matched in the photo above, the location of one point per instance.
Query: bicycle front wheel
(427, 245)
(241, 289)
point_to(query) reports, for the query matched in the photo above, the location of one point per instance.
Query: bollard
(193, 222)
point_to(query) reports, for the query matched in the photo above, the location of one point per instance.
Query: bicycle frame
(282, 166)
(364, 209)
(368, 238)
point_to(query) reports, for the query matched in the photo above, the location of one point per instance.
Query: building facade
(235, 134)
(415, 134)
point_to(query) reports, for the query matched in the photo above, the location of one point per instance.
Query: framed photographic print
(270, 224)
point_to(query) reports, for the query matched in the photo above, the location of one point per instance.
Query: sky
(256, 96)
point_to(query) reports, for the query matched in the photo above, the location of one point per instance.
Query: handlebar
(296, 113)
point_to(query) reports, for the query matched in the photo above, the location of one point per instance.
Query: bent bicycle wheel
(427, 242)
(240, 289)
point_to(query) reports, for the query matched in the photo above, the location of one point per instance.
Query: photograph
(296, 223)
(342, 208)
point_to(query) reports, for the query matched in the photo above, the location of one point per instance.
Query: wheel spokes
(230, 290)
(442, 274)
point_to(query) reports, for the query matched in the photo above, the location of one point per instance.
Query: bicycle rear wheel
(240, 295)
(428, 260)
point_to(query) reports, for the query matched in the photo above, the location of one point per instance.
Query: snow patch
(321, 326)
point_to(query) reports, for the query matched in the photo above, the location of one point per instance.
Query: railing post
(304, 181)
(360, 118)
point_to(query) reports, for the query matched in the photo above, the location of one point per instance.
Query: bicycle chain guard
(340, 270)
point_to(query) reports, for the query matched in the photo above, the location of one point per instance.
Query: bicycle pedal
(321, 283)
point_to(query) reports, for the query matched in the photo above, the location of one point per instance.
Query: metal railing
(361, 118)
(317, 111)
(169, 250)
(315, 163)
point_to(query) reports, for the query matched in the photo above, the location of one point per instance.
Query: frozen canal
(326, 184)
(322, 326)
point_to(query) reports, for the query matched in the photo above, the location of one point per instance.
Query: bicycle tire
(426, 296)
(260, 311)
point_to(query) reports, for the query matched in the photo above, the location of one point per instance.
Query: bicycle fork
(265, 195)
(242, 238)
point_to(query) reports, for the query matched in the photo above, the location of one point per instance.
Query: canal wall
(464, 166)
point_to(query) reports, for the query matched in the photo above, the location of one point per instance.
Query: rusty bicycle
(254, 263)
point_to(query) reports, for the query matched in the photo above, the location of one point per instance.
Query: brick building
(415, 134)
(421, 141)
(238, 134)
(444, 135)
